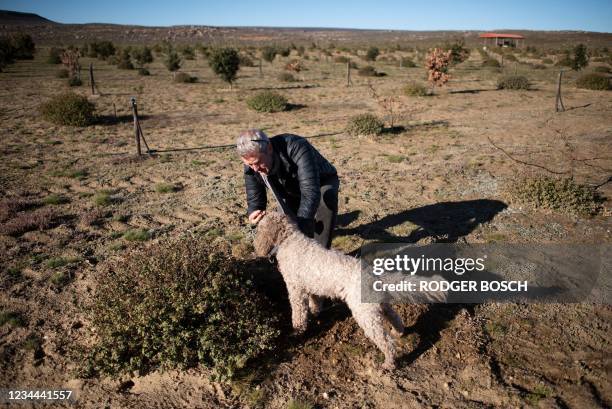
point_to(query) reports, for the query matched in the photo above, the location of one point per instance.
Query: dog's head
(273, 228)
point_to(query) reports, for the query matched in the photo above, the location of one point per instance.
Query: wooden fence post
(91, 79)
(136, 127)
(559, 101)
(348, 73)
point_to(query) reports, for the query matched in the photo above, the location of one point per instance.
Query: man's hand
(256, 216)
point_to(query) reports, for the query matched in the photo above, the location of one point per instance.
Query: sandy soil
(437, 179)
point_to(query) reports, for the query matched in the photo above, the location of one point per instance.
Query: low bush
(55, 56)
(364, 125)
(557, 194)
(75, 82)
(268, 101)
(547, 61)
(510, 57)
(143, 72)
(593, 81)
(39, 219)
(513, 82)
(407, 62)
(416, 89)
(286, 77)
(491, 62)
(184, 78)
(369, 71)
(68, 109)
(178, 303)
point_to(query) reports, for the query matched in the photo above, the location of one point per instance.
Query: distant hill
(47, 32)
(8, 17)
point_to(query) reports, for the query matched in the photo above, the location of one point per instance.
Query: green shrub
(491, 62)
(55, 56)
(14, 319)
(286, 77)
(137, 235)
(178, 303)
(125, 60)
(510, 57)
(143, 72)
(172, 61)
(268, 101)
(547, 61)
(513, 82)
(368, 71)
(68, 109)
(167, 187)
(372, 53)
(407, 62)
(364, 125)
(225, 62)
(75, 82)
(268, 54)
(184, 78)
(55, 199)
(593, 81)
(416, 89)
(557, 194)
(102, 198)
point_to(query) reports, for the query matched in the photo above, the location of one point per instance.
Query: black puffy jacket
(297, 171)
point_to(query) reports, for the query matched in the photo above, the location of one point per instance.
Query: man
(302, 182)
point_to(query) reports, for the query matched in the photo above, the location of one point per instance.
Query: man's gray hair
(252, 142)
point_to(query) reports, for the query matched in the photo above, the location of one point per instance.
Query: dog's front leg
(298, 298)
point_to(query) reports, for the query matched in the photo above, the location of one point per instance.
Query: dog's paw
(388, 365)
(398, 334)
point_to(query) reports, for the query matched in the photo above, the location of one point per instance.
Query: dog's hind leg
(298, 298)
(370, 319)
(394, 318)
(315, 304)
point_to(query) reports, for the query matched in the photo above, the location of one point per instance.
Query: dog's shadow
(444, 222)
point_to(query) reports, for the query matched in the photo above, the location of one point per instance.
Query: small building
(501, 40)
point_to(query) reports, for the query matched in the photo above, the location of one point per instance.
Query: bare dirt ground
(437, 179)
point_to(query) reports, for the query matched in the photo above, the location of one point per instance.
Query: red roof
(497, 35)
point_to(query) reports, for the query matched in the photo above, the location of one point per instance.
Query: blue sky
(590, 15)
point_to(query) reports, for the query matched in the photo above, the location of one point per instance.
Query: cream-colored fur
(311, 271)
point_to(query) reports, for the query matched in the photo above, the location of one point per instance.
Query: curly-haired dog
(311, 271)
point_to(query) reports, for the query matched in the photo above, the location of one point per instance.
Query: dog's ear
(268, 230)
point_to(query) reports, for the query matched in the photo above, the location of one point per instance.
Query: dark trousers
(325, 218)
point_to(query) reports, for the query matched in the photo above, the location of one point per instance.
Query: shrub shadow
(119, 119)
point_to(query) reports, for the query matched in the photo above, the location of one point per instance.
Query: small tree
(172, 62)
(225, 62)
(142, 56)
(372, 53)
(437, 62)
(23, 46)
(458, 52)
(268, 54)
(581, 58)
(125, 60)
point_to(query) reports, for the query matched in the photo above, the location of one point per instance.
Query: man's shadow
(445, 222)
